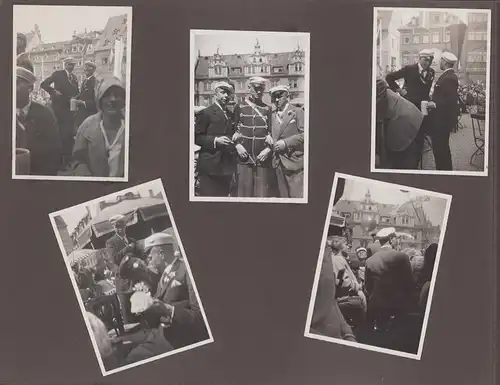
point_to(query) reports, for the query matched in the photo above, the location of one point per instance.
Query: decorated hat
(361, 249)
(90, 64)
(449, 57)
(223, 85)
(386, 232)
(69, 60)
(25, 74)
(158, 239)
(276, 89)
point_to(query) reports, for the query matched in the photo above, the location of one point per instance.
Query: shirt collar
(420, 68)
(447, 70)
(284, 109)
(223, 110)
(89, 77)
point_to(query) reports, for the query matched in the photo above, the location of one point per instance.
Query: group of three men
(428, 111)
(48, 133)
(261, 149)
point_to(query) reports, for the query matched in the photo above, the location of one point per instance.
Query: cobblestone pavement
(462, 147)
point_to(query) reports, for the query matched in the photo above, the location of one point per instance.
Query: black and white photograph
(131, 277)
(377, 266)
(249, 116)
(430, 92)
(70, 117)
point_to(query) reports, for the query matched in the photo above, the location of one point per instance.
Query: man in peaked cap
(65, 87)
(214, 130)
(86, 100)
(175, 299)
(389, 283)
(287, 127)
(256, 176)
(417, 77)
(36, 128)
(117, 247)
(444, 110)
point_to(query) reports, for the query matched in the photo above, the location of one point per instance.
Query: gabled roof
(115, 27)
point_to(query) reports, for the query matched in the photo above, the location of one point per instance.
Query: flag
(118, 58)
(457, 37)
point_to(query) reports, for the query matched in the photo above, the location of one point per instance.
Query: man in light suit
(444, 110)
(287, 128)
(175, 302)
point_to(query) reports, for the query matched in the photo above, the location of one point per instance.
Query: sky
(355, 190)
(73, 215)
(242, 42)
(57, 23)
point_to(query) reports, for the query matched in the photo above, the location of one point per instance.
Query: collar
(25, 109)
(447, 70)
(386, 247)
(284, 109)
(223, 110)
(420, 68)
(89, 77)
(169, 268)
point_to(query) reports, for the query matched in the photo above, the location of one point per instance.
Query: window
(275, 83)
(277, 69)
(406, 59)
(237, 70)
(298, 67)
(435, 37)
(74, 48)
(104, 60)
(447, 36)
(260, 60)
(293, 83)
(241, 84)
(89, 47)
(416, 39)
(206, 86)
(435, 18)
(218, 70)
(472, 35)
(406, 39)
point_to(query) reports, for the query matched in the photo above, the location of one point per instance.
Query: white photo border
(192, 197)
(129, 12)
(307, 332)
(105, 372)
(375, 169)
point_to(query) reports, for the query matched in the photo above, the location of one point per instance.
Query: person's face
(23, 90)
(362, 255)
(443, 65)
(222, 96)
(395, 243)
(425, 62)
(280, 100)
(89, 71)
(69, 67)
(256, 91)
(113, 101)
(21, 46)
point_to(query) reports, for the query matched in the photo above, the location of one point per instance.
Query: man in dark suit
(214, 130)
(36, 128)
(117, 247)
(65, 88)
(443, 114)
(399, 130)
(175, 300)
(417, 77)
(389, 283)
(86, 101)
(287, 128)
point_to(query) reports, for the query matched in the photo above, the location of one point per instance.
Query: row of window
(80, 47)
(477, 36)
(477, 57)
(478, 18)
(435, 37)
(242, 85)
(297, 67)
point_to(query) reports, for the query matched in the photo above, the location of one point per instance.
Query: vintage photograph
(131, 277)
(71, 110)
(430, 99)
(249, 116)
(377, 266)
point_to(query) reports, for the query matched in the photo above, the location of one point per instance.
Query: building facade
(66, 239)
(283, 68)
(367, 216)
(96, 46)
(476, 41)
(388, 44)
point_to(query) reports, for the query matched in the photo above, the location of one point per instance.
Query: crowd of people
(80, 131)
(149, 288)
(473, 95)
(378, 298)
(422, 107)
(250, 149)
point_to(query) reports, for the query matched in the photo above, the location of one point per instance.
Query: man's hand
(242, 152)
(236, 137)
(431, 105)
(269, 141)
(280, 146)
(264, 154)
(222, 141)
(80, 103)
(402, 92)
(166, 310)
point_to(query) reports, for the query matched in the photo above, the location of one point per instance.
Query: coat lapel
(287, 117)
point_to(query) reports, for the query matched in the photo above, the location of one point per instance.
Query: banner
(118, 57)
(457, 37)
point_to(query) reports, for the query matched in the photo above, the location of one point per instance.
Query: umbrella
(79, 255)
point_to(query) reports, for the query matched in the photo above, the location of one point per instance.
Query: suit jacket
(402, 122)
(417, 88)
(327, 318)
(445, 115)
(291, 131)
(116, 249)
(41, 137)
(62, 83)
(211, 123)
(389, 281)
(373, 248)
(175, 289)
(87, 94)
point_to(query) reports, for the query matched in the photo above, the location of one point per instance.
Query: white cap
(257, 80)
(224, 85)
(158, 239)
(360, 249)
(386, 232)
(426, 53)
(279, 89)
(449, 57)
